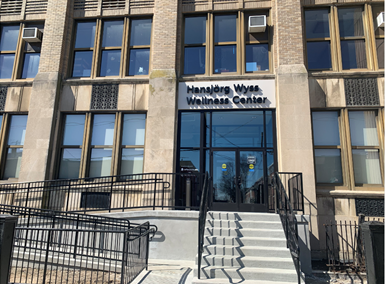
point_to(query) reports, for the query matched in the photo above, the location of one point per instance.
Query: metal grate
(142, 3)
(11, 7)
(195, 2)
(104, 97)
(36, 7)
(86, 5)
(361, 92)
(3, 97)
(113, 4)
(370, 207)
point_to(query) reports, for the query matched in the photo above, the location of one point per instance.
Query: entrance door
(239, 180)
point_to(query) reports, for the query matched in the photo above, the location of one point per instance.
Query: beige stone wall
(39, 137)
(18, 99)
(160, 143)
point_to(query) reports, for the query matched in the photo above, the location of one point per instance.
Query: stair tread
(251, 269)
(279, 259)
(251, 238)
(281, 248)
(248, 229)
(204, 280)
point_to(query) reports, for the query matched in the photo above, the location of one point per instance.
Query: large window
(222, 44)
(95, 145)
(103, 48)
(19, 59)
(12, 134)
(347, 148)
(339, 38)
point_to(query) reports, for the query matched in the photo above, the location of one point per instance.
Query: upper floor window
(19, 58)
(102, 48)
(222, 44)
(95, 145)
(13, 128)
(338, 38)
(347, 148)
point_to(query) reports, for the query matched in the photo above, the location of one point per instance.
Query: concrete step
(234, 232)
(245, 241)
(244, 224)
(195, 280)
(248, 261)
(260, 251)
(239, 216)
(262, 274)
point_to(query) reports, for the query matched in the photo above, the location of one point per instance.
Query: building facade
(238, 88)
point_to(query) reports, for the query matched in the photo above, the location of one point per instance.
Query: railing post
(68, 194)
(153, 205)
(46, 255)
(148, 246)
(112, 185)
(26, 198)
(125, 240)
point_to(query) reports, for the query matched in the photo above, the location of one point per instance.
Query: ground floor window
(237, 148)
(96, 144)
(12, 135)
(348, 147)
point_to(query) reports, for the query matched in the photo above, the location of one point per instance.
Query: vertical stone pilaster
(295, 143)
(161, 116)
(39, 139)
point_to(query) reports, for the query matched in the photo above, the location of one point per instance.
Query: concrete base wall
(177, 236)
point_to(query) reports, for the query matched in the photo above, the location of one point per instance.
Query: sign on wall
(226, 94)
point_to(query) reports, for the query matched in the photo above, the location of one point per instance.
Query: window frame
(20, 52)
(240, 43)
(375, 36)
(335, 39)
(97, 49)
(86, 146)
(347, 151)
(4, 146)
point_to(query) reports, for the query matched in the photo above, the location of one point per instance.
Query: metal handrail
(109, 193)
(289, 222)
(204, 206)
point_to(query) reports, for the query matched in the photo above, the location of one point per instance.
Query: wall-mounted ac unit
(32, 35)
(257, 24)
(380, 20)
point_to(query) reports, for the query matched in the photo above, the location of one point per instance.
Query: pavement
(166, 272)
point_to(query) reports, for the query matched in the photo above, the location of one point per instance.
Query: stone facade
(298, 91)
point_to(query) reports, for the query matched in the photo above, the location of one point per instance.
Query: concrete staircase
(245, 248)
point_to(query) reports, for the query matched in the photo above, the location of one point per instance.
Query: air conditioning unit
(380, 20)
(32, 35)
(257, 24)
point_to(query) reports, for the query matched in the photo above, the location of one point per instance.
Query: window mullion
(3, 132)
(97, 51)
(367, 29)
(18, 54)
(210, 44)
(239, 45)
(116, 148)
(86, 146)
(335, 39)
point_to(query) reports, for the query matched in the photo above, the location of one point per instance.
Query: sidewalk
(166, 272)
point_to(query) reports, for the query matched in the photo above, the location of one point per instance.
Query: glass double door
(239, 180)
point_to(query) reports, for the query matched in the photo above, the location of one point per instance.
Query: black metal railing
(289, 221)
(292, 183)
(78, 256)
(110, 193)
(344, 245)
(204, 207)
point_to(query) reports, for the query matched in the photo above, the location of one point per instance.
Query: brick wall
(54, 34)
(164, 34)
(288, 29)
